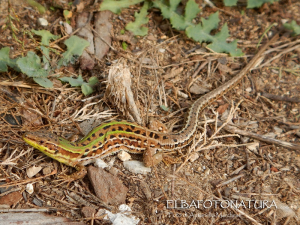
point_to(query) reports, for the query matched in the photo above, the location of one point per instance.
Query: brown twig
(280, 98)
(236, 130)
(28, 180)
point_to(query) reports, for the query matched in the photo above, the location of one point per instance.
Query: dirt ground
(169, 72)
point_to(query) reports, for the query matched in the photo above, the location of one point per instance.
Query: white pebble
(100, 163)
(194, 156)
(136, 167)
(29, 188)
(43, 22)
(124, 156)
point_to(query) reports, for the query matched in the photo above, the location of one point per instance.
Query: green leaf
(93, 81)
(293, 26)
(164, 108)
(117, 6)
(46, 36)
(166, 10)
(6, 61)
(45, 40)
(191, 10)
(31, 66)
(124, 45)
(86, 89)
(74, 82)
(44, 82)
(75, 46)
(230, 2)
(37, 5)
(179, 22)
(201, 32)
(182, 22)
(220, 44)
(140, 19)
(258, 3)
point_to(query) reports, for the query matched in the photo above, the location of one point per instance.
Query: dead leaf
(198, 89)
(274, 169)
(174, 72)
(221, 109)
(30, 118)
(32, 171)
(224, 68)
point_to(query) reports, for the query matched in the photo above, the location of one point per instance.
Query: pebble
(43, 22)
(124, 156)
(194, 156)
(100, 163)
(135, 166)
(29, 188)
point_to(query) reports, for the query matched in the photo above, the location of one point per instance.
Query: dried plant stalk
(119, 92)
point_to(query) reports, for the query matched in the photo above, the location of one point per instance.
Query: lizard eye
(41, 142)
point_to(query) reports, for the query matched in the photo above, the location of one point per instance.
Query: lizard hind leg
(81, 172)
(152, 158)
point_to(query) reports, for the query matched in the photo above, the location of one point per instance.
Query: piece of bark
(102, 33)
(86, 60)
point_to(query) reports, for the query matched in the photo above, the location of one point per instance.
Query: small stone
(88, 212)
(123, 217)
(29, 188)
(136, 167)
(124, 156)
(68, 28)
(249, 89)
(182, 95)
(194, 156)
(43, 22)
(100, 163)
(46, 170)
(107, 187)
